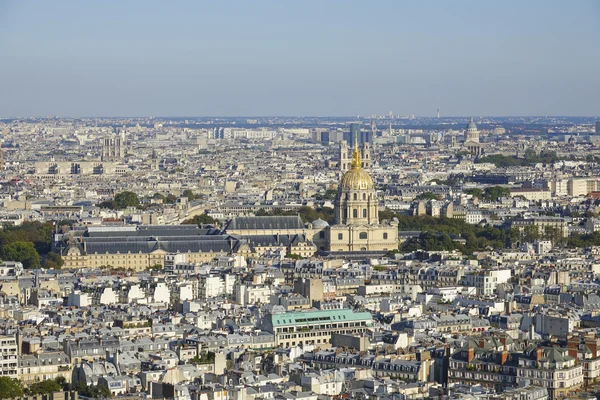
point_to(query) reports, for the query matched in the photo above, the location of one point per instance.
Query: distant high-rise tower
(438, 113)
(471, 132)
(112, 149)
(597, 127)
(1, 160)
(373, 128)
(354, 132)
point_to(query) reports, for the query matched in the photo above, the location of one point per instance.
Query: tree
(170, 199)
(501, 161)
(110, 204)
(155, 268)
(10, 388)
(53, 261)
(330, 194)
(126, 199)
(204, 358)
(201, 220)
(40, 234)
(493, 193)
(554, 235)
(23, 252)
(96, 391)
(531, 233)
(428, 196)
(191, 196)
(158, 196)
(62, 381)
(44, 387)
(474, 192)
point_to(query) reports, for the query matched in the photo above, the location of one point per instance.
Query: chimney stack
(503, 357)
(503, 341)
(593, 346)
(470, 354)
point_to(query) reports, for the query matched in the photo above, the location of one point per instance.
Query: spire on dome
(356, 162)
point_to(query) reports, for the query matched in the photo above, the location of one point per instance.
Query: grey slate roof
(274, 240)
(208, 243)
(266, 222)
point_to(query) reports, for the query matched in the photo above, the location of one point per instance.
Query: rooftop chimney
(539, 354)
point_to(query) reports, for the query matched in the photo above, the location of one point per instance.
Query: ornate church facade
(357, 226)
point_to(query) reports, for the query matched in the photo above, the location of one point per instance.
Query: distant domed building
(471, 132)
(357, 226)
(472, 144)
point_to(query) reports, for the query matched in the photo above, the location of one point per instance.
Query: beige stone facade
(135, 261)
(357, 226)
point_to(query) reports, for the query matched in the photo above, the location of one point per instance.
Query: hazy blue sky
(257, 57)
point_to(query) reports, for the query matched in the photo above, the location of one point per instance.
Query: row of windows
(361, 235)
(364, 196)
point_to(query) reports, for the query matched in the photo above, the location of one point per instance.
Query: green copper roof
(318, 316)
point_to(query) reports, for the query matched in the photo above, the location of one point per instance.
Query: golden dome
(356, 178)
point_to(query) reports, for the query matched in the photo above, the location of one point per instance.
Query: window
(340, 236)
(364, 196)
(385, 235)
(364, 213)
(362, 235)
(355, 196)
(355, 213)
(322, 235)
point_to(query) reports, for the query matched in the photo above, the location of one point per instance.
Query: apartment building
(44, 366)
(9, 360)
(551, 368)
(486, 281)
(315, 327)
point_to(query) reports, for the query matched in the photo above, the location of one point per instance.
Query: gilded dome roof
(356, 178)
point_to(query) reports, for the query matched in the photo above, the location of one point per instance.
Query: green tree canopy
(10, 388)
(158, 196)
(189, 194)
(23, 252)
(53, 261)
(428, 196)
(436, 233)
(126, 199)
(493, 193)
(201, 220)
(474, 192)
(44, 387)
(330, 194)
(110, 204)
(95, 391)
(306, 213)
(40, 234)
(170, 199)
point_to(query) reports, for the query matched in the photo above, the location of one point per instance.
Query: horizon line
(296, 116)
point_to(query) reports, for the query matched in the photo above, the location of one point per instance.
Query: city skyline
(268, 59)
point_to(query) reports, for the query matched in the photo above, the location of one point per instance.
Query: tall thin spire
(356, 162)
